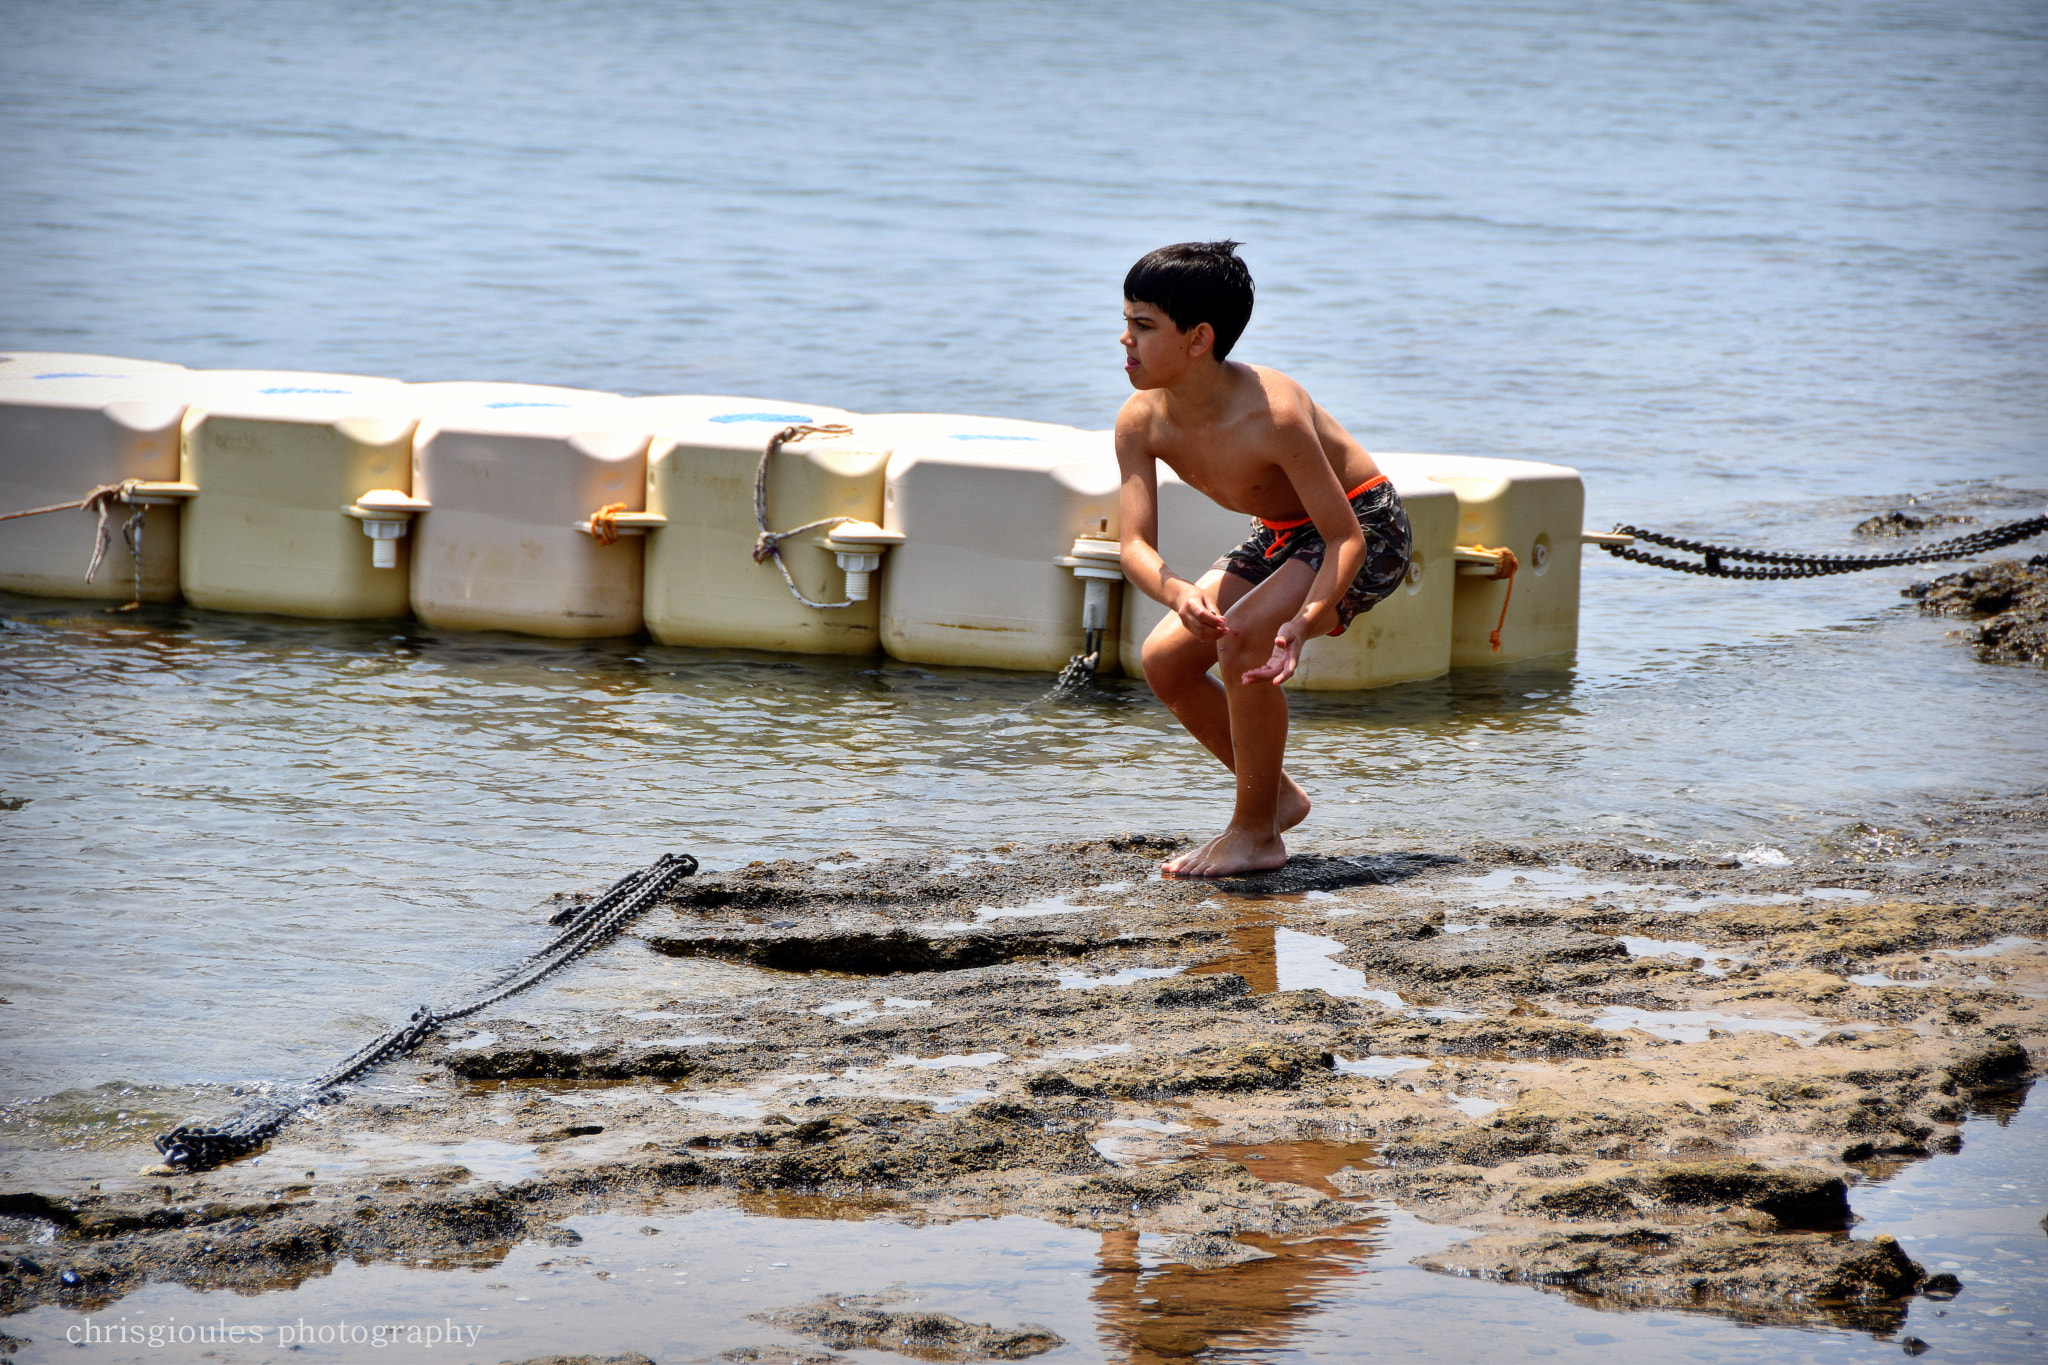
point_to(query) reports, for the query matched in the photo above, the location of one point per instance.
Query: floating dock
(701, 520)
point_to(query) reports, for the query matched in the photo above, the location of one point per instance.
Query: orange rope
(604, 523)
(1505, 566)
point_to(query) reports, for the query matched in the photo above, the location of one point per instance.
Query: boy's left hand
(1287, 645)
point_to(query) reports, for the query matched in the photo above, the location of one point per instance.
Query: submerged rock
(866, 1322)
(780, 1355)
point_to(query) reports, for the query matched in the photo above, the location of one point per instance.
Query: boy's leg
(1256, 723)
(1177, 665)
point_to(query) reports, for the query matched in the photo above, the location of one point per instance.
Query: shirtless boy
(1329, 537)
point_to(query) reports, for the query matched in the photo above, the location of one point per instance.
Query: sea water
(1757, 271)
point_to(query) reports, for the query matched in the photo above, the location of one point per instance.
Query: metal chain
(1817, 566)
(768, 544)
(197, 1148)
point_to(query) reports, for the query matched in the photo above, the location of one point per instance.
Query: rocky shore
(1643, 1079)
(2006, 602)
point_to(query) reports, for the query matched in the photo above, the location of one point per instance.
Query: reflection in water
(1152, 1311)
(1273, 959)
(1309, 1163)
(1154, 1308)
(1251, 954)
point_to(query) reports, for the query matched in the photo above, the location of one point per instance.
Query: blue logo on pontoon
(762, 417)
(79, 374)
(305, 390)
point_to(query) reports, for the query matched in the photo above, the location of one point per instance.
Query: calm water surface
(1758, 271)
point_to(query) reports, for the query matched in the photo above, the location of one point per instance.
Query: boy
(1329, 536)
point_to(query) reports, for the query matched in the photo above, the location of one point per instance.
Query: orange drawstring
(1505, 565)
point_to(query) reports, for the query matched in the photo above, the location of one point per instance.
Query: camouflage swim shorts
(1380, 516)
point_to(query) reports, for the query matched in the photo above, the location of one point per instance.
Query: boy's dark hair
(1196, 282)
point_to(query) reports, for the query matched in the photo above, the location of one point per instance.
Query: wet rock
(1636, 1145)
(780, 1355)
(1213, 1251)
(564, 1133)
(1787, 1277)
(1181, 992)
(606, 1062)
(1833, 936)
(1504, 1037)
(1542, 1120)
(1205, 1197)
(1312, 872)
(37, 1207)
(626, 1358)
(1942, 1286)
(1000, 877)
(881, 1146)
(2014, 596)
(1521, 953)
(1793, 1197)
(1896, 523)
(1490, 853)
(876, 952)
(1219, 1070)
(1619, 858)
(1309, 1003)
(1994, 1063)
(867, 1322)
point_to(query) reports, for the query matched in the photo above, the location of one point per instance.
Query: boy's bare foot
(1230, 854)
(1293, 807)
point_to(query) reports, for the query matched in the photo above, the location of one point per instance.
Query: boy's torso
(1229, 457)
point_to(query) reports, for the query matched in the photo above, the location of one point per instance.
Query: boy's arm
(1299, 453)
(1138, 518)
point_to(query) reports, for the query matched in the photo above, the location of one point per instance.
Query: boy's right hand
(1198, 613)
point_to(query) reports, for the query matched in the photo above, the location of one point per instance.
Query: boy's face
(1156, 352)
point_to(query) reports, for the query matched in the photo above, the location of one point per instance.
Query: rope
(102, 500)
(98, 497)
(198, 1148)
(1505, 565)
(768, 544)
(1817, 566)
(132, 534)
(604, 523)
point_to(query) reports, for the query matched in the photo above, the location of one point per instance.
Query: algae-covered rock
(880, 1146)
(1213, 1251)
(2014, 598)
(1761, 1277)
(1221, 1070)
(1499, 1037)
(1188, 1197)
(1522, 953)
(867, 1322)
(781, 1355)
